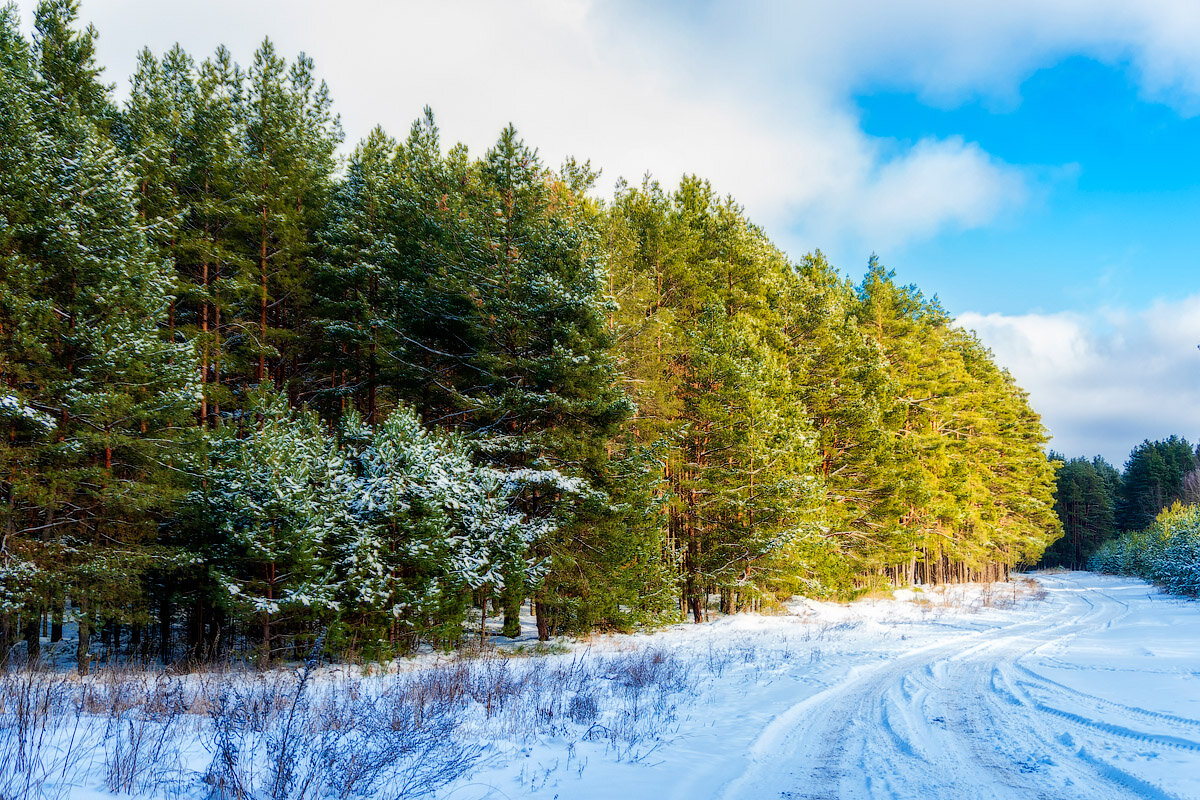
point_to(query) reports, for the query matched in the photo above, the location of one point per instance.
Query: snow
(1090, 691)
(13, 406)
(1062, 685)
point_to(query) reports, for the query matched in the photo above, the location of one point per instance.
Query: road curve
(981, 716)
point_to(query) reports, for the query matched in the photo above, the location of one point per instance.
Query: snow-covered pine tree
(24, 314)
(475, 289)
(387, 530)
(427, 526)
(290, 136)
(267, 497)
(89, 497)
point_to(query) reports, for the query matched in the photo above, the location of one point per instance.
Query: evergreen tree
(91, 488)
(846, 390)
(285, 177)
(701, 297)
(266, 498)
(976, 487)
(365, 347)
(1153, 480)
(385, 531)
(1084, 503)
(474, 289)
(213, 270)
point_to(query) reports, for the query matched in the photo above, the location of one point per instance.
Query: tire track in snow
(833, 730)
(950, 720)
(1052, 686)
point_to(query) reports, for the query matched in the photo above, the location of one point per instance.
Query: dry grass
(289, 736)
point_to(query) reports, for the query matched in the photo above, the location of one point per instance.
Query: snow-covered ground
(1069, 685)
(1088, 688)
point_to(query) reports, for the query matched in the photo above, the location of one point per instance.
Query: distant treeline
(1166, 552)
(252, 392)
(1096, 503)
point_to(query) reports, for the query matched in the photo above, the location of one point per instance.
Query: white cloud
(1107, 381)
(752, 95)
(582, 78)
(947, 49)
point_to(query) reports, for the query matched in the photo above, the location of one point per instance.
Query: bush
(1167, 552)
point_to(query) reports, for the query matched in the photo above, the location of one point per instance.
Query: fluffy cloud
(947, 49)
(751, 95)
(1104, 382)
(633, 89)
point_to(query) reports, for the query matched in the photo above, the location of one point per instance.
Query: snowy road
(1086, 689)
(980, 716)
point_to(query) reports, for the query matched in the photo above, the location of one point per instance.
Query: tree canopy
(255, 391)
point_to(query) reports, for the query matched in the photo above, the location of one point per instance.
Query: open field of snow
(1088, 687)
(1070, 685)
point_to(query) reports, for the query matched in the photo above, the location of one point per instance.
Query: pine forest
(261, 387)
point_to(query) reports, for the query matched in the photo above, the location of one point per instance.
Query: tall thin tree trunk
(262, 305)
(32, 624)
(216, 411)
(267, 614)
(372, 362)
(543, 619)
(204, 334)
(165, 612)
(84, 645)
(56, 621)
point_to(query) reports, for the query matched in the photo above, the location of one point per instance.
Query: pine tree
(215, 270)
(846, 390)
(93, 488)
(1152, 480)
(364, 342)
(285, 177)
(483, 305)
(24, 314)
(1084, 504)
(703, 297)
(973, 481)
(266, 497)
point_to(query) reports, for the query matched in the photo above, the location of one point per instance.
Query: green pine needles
(252, 393)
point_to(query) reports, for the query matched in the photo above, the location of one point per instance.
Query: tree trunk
(262, 307)
(133, 651)
(56, 622)
(82, 658)
(195, 628)
(266, 626)
(32, 624)
(204, 337)
(692, 586)
(6, 624)
(372, 361)
(543, 621)
(165, 612)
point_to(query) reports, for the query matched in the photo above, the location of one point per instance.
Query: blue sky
(1113, 219)
(1033, 163)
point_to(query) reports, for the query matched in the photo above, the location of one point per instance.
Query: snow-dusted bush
(391, 527)
(1168, 552)
(1175, 562)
